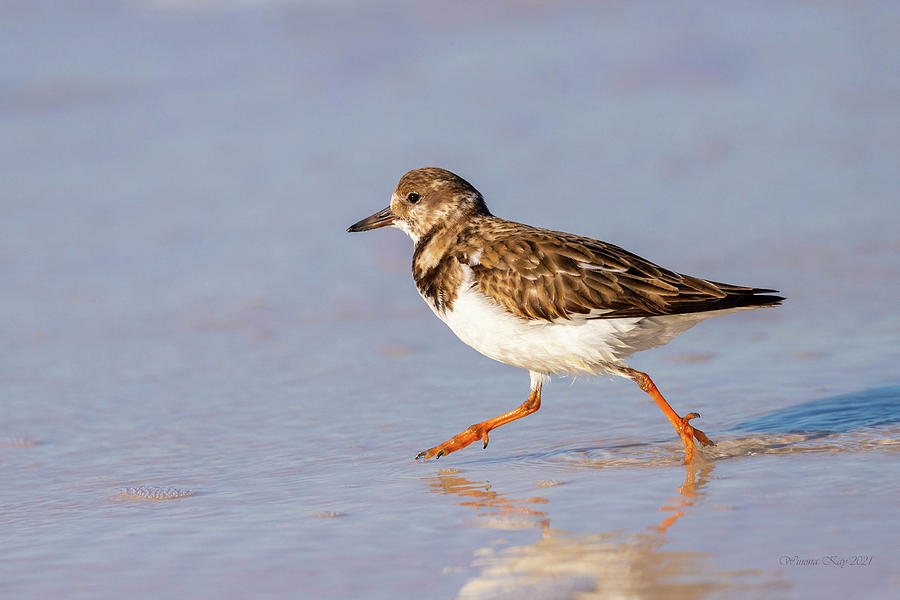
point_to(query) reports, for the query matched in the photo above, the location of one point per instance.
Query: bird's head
(425, 199)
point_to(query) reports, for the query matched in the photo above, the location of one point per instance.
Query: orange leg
(479, 431)
(681, 424)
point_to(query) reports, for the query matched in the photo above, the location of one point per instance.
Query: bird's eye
(413, 197)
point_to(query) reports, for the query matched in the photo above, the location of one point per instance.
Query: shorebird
(546, 301)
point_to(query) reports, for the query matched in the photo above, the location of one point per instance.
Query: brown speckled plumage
(542, 274)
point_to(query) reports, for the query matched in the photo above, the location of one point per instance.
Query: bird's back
(543, 274)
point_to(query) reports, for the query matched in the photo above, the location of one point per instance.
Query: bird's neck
(436, 268)
(446, 238)
(432, 247)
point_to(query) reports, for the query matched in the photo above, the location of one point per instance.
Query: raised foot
(457, 442)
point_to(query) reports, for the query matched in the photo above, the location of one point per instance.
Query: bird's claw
(432, 453)
(457, 442)
(699, 435)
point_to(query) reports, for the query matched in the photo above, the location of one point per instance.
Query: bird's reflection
(481, 495)
(586, 565)
(695, 479)
(490, 504)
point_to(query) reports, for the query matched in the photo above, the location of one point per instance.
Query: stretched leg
(479, 431)
(681, 424)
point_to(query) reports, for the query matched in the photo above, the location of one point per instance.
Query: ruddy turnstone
(545, 301)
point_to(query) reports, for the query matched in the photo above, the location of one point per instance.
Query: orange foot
(688, 433)
(479, 431)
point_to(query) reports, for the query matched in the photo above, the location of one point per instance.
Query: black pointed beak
(382, 218)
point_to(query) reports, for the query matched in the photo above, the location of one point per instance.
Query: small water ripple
(141, 492)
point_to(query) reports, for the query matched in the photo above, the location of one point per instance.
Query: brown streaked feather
(541, 274)
(441, 283)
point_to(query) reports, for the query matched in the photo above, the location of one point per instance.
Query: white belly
(575, 347)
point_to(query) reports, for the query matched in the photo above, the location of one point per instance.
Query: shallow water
(210, 390)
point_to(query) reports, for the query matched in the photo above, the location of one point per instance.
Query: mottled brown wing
(541, 274)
